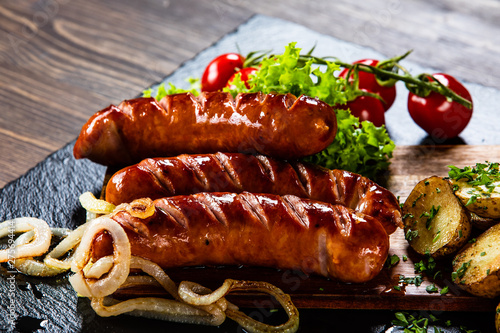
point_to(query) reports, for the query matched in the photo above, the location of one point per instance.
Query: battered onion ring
(38, 246)
(121, 255)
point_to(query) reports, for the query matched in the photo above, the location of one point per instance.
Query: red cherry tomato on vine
(438, 116)
(245, 75)
(220, 70)
(367, 108)
(368, 82)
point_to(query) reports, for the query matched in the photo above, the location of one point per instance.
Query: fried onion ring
(36, 247)
(121, 260)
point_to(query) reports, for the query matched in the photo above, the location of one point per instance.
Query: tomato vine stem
(416, 84)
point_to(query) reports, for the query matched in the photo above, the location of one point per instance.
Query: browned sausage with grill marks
(284, 232)
(282, 126)
(223, 172)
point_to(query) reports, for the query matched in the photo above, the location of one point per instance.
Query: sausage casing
(284, 232)
(282, 126)
(226, 172)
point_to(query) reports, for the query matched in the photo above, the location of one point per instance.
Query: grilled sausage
(284, 232)
(222, 172)
(276, 125)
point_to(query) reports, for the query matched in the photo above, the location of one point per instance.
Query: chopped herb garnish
(435, 239)
(444, 291)
(431, 288)
(483, 254)
(460, 271)
(392, 261)
(411, 234)
(430, 216)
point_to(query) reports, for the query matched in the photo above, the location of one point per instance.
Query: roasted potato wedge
(482, 223)
(477, 267)
(479, 199)
(436, 223)
(478, 188)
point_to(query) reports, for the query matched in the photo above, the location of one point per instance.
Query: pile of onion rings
(190, 303)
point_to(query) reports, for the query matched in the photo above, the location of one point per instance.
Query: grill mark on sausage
(265, 166)
(151, 165)
(254, 207)
(212, 207)
(335, 185)
(169, 209)
(296, 209)
(228, 169)
(303, 177)
(190, 163)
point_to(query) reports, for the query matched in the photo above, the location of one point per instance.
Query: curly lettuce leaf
(162, 91)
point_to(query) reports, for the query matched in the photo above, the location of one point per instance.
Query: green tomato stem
(414, 84)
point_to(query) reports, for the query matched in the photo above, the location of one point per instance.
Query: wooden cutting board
(409, 165)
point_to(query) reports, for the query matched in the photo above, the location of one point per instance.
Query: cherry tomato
(245, 73)
(219, 70)
(438, 116)
(368, 81)
(367, 108)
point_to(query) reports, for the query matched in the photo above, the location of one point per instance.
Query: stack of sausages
(228, 188)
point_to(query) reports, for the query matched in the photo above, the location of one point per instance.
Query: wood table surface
(62, 60)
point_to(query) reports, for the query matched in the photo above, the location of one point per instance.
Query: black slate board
(50, 191)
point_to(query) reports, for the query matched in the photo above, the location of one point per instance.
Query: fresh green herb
(488, 271)
(435, 239)
(431, 288)
(430, 216)
(405, 258)
(408, 215)
(472, 240)
(416, 280)
(426, 182)
(438, 190)
(472, 199)
(392, 261)
(460, 233)
(162, 91)
(460, 271)
(427, 265)
(445, 290)
(483, 254)
(411, 235)
(414, 203)
(398, 288)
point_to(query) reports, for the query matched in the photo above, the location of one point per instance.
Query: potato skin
(485, 205)
(482, 223)
(477, 265)
(449, 227)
